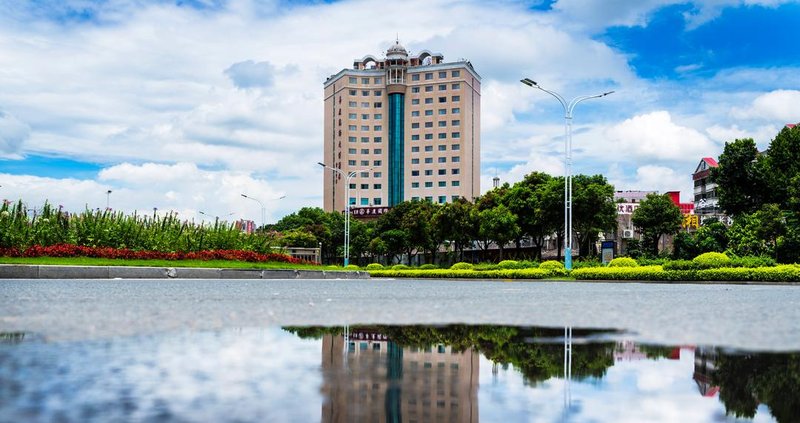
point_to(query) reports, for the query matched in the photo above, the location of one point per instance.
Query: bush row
(783, 273)
(468, 273)
(70, 250)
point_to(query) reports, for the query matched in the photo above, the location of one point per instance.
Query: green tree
(593, 210)
(498, 224)
(298, 238)
(527, 200)
(657, 215)
(740, 177)
(757, 233)
(456, 222)
(783, 165)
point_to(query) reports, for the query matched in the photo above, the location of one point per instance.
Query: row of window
(365, 80)
(442, 74)
(429, 184)
(366, 186)
(365, 127)
(364, 139)
(376, 116)
(365, 201)
(441, 199)
(429, 172)
(454, 159)
(365, 93)
(365, 163)
(365, 104)
(442, 147)
(440, 87)
(441, 123)
(441, 136)
(364, 151)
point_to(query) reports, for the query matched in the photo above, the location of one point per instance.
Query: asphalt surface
(758, 318)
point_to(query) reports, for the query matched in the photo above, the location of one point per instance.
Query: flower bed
(70, 250)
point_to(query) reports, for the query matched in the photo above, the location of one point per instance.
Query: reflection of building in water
(628, 351)
(704, 367)
(374, 379)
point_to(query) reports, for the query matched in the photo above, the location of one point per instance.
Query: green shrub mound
(623, 262)
(551, 265)
(527, 264)
(508, 264)
(462, 266)
(712, 260)
(428, 266)
(400, 267)
(374, 266)
(352, 267)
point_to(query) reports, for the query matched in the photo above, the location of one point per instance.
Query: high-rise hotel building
(409, 126)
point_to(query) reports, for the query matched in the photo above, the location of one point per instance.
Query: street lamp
(215, 217)
(568, 107)
(263, 209)
(347, 177)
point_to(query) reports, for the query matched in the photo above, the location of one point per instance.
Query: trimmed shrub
(623, 262)
(578, 264)
(681, 265)
(462, 266)
(352, 267)
(463, 274)
(752, 261)
(551, 265)
(783, 273)
(527, 264)
(645, 261)
(712, 260)
(508, 264)
(400, 267)
(374, 266)
(428, 266)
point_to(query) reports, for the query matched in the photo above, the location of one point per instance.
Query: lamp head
(529, 82)
(243, 195)
(321, 164)
(607, 93)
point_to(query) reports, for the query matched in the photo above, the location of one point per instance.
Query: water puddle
(454, 373)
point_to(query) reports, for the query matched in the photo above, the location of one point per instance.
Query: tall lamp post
(347, 177)
(263, 209)
(568, 107)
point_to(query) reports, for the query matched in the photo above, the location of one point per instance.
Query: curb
(23, 271)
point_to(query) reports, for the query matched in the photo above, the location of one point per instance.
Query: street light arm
(577, 100)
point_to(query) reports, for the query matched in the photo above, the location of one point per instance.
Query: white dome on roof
(397, 50)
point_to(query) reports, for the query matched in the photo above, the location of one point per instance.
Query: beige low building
(407, 126)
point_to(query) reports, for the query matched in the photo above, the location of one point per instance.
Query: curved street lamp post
(347, 177)
(568, 107)
(263, 209)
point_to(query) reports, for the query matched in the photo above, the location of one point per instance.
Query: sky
(184, 105)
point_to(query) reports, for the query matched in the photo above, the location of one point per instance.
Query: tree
(657, 215)
(499, 225)
(593, 210)
(740, 177)
(456, 222)
(783, 165)
(757, 233)
(526, 199)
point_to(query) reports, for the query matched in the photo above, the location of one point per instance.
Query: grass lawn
(227, 264)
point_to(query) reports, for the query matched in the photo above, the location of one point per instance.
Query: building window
(364, 186)
(442, 99)
(428, 101)
(429, 112)
(378, 93)
(414, 199)
(455, 159)
(377, 116)
(428, 136)
(415, 137)
(352, 186)
(353, 80)
(456, 135)
(378, 139)
(429, 184)
(376, 186)
(365, 116)
(378, 162)
(428, 148)
(414, 113)
(351, 115)
(429, 160)
(442, 87)
(352, 104)
(442, 183)
(414, 89)
(428, 76)
(364, 104)
(442, 200)
(414, 173)
(352, 92)
(377, 128)
(428, 88)
(376, 201)
(442, 147)
(442, 111)
(351, 139)
(414, 101)
(351, 162)
(442, 172)
(365, 163)
(455, 122)
(455, 74)
(351, 127)
(415, 149)
(456, 98)
(351, 151)
(415, 77)
(364, 93)
(365, 81)
(377, 104)
(430, 200)
(364, 174)
(442, 136)
(429, 124)
(376, 174)
(352, 201)
(456, 86)
(378, 80)
(364, 139)
(364, 201)
(442, 74)
(415, 185)
(442, 123)
(365, 127)
(455, 171)
(442, 160)
(455, 183)
(377, 151)
(456, 110)
(414, 161)
(414, 125)
(428, 172)
(455, 147)
(364, 151)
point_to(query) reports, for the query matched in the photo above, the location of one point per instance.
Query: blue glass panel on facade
(396, 136)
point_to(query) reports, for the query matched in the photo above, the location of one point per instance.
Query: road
(761, 318)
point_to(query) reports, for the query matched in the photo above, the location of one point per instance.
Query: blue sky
(184, 105)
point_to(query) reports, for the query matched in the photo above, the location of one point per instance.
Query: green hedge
(467, 274)
(374, 266)
(461, 266)
(623, 262)
(785, 273)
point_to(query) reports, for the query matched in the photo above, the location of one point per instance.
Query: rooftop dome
(396, 49)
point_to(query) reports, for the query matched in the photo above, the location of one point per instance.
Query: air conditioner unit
(627, 233)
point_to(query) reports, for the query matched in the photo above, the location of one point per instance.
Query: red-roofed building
(791, 125)
(705, 191)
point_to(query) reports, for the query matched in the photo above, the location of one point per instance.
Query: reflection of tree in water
(747, 380)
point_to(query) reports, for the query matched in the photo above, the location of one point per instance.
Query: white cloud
(782, 105)
(13, 133)
(655, 136)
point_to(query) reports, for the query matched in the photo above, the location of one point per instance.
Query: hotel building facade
(407, 125)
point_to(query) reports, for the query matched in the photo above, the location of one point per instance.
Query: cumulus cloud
(13, 133)
(655, 136)
(249, 74)
(782, 105)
